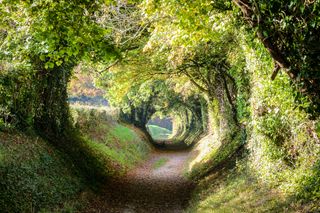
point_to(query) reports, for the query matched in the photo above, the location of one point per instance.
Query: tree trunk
(52, 115)
(232, 104)
(213, 116)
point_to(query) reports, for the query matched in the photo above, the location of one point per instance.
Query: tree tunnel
(185, 120)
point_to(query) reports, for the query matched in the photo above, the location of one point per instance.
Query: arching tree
(47, 39)
(205, 56)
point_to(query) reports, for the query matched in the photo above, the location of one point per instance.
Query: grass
(160, 162)
(34, 176)
(159, 133)
(118, 146)
(236, 190)
(227, 183)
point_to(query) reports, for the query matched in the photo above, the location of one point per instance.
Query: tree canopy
(236, 71)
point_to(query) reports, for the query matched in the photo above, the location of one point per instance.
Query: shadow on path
(149, 188)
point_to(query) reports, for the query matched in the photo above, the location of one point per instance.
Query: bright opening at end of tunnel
(160, 128)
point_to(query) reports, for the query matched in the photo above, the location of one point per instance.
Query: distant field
(159, 133)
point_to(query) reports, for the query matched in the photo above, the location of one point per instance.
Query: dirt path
(158, 185)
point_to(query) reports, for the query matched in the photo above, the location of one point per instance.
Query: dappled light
(143, 106)
(203, 149)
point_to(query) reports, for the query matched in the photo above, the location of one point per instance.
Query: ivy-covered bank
(277, 157)
(283, 138)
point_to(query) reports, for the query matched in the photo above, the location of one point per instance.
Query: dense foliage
(207, 64)
(43, 41)
(290, 32)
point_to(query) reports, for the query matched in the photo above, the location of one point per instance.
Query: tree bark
(233, 105)
(52, 115)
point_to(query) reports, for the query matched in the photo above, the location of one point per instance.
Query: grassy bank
(234, 189)
(230, 183)
(36, 176)
(119, 146)
(212, 152)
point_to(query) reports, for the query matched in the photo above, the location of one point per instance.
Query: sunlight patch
(204, 148)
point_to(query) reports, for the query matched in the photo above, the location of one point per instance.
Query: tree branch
(233, 107)
(275, 71)
(193, 81)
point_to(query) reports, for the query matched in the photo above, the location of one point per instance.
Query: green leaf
(42, 57)
(49, 65)
(58, 63)
(265, 33)
(69, 52)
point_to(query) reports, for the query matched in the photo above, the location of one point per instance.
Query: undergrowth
(61, 175)
(117, 145)
(35, 176)
(234, 189)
